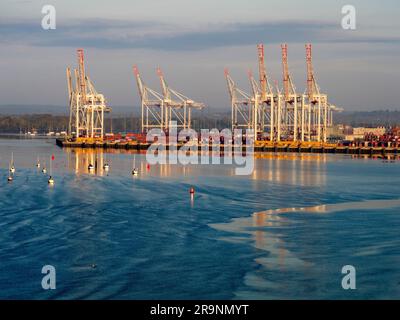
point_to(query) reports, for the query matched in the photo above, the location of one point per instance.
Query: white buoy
(12, 167)
(51, 180)
(10, 178)
(135, 171)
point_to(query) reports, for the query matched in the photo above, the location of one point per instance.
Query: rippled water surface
(283, 232)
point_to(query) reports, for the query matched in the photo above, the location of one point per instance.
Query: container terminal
(281, 119)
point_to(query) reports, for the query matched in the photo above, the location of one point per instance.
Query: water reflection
(296, 169)
(255, 229)
(262, 231)
(331, 208)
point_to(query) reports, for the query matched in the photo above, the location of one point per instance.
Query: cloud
(122, 34)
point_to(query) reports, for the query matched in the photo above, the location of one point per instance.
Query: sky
(193, 41)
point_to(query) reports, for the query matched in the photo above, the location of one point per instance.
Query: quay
(259, 146)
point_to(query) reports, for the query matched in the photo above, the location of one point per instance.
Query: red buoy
(191, 190)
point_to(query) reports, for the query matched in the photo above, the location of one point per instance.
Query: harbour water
(283, 232)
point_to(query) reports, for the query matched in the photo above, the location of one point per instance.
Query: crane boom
(139, 81)
(312, 88)
(253, 83)
(285, 70)
(230, 83)
(262, 71)
(82, 76)
(69, 83)
(164, 85)
(288, 86)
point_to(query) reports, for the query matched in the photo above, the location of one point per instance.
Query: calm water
(283, 232)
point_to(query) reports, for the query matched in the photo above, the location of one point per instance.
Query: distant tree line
(386, 118)
(40, 122)
(44, 123)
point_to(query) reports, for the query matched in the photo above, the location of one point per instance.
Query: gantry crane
(294, 103)
(159, 110)
(178, 107)
(283, 114)
(242, 105)
(87, 106)
(318, 103)
(270, 101)
(257, 111)
(152, 105)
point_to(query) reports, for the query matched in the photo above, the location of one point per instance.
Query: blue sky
(192, 41)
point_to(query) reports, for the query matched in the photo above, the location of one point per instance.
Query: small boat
(38, 163)
(10, 178)
(90, 167)
(106, 167)
(44, 170)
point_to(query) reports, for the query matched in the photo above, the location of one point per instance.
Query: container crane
(269, 100)
(293, 101)
(242, 105)
(178, 107)
(152, 105)
(86, 105)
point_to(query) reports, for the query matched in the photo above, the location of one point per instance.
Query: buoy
(106, 167)
(191, 190)
(135, 171)
(51, 180)
(90, 167)
(11, 166)
(10, 178)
